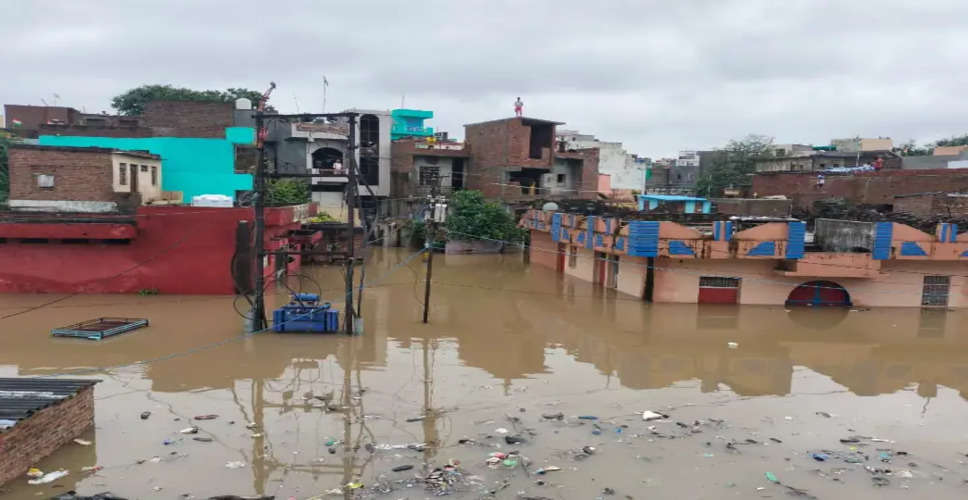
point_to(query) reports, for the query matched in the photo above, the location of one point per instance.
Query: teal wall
(410, 122)
(193, 166)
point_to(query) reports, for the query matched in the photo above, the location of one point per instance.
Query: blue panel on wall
(764, 249)
(565, 235)
(965, 253)
(883, 233)
(717, 228)
(952, 233)
(590, 231)
(556, 227)
(608, 226)
(643, 238)
(912, 249)
(729, 231)
(599, 240)
(581, 237)
(620, 243)
(677, 247)
(796, 233)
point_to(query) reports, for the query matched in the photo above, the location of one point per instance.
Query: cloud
(658, 76)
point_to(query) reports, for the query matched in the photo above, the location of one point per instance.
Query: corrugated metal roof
(22, 397)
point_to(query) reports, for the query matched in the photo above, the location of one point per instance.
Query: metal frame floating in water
(97, 329)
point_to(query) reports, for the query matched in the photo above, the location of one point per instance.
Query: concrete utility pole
(350, 197)
(436, 213)
(259, 206)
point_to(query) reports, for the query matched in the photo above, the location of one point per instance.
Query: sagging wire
(211, 345)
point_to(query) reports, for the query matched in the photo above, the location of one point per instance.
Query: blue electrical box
(305, 314)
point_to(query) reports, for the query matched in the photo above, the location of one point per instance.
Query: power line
(220, 343)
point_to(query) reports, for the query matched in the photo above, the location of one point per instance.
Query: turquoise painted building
(410, 123)
(194, 166)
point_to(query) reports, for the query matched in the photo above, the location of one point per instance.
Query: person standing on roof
(518, 107)
(820, 180)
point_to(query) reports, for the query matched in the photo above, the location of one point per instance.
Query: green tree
(961, 140)
(5, 141)
(735, 164)
(472, 216)
(287, 192)
(911, 148)
(133, 101)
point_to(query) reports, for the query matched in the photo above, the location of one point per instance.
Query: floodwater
(506, 344)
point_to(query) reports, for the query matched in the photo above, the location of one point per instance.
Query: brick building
(72, 179)
(417, 163)
(38, 416)
(160, 119)
(875, 188)
(515, 159)
(938, 203)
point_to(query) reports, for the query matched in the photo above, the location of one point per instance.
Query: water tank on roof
(243, 103)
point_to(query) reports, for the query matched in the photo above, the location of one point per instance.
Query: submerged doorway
(819, 293)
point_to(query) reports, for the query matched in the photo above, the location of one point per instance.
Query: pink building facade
(767, 264)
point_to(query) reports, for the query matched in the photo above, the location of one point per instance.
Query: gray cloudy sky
(659, 76)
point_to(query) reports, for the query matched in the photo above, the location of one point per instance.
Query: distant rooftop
(86, 149)
(524, 120)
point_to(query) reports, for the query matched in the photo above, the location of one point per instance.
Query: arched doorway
(819, 293)
(325, 158)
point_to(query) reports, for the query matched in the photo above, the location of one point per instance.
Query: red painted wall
(177, 250)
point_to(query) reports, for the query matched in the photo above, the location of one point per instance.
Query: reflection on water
(494, 322)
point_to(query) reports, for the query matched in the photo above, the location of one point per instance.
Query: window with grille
(718, 282)
(935, 291)
(154, 175)
(144, 168)
(429, 175)
(123, 174)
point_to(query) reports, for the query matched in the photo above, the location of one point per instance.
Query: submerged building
(848, 263)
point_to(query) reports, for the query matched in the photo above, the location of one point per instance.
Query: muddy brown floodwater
(507, 344)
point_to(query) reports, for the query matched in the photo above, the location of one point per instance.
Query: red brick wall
(917, 205)
(589, 174)
(78, 176)
(933, 204)
(872, 188)
(33, 116)
(543, 251)
(189, 118)
(498, 146)
(43, 433)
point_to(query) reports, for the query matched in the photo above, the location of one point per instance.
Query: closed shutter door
(718, 290)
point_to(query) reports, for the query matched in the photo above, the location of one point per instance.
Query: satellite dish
(549, 207)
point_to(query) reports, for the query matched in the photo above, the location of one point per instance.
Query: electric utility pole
(259, 200)
(436, 213)
(259, 206)
(350, 198)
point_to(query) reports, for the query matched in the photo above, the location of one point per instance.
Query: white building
(626, 172)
